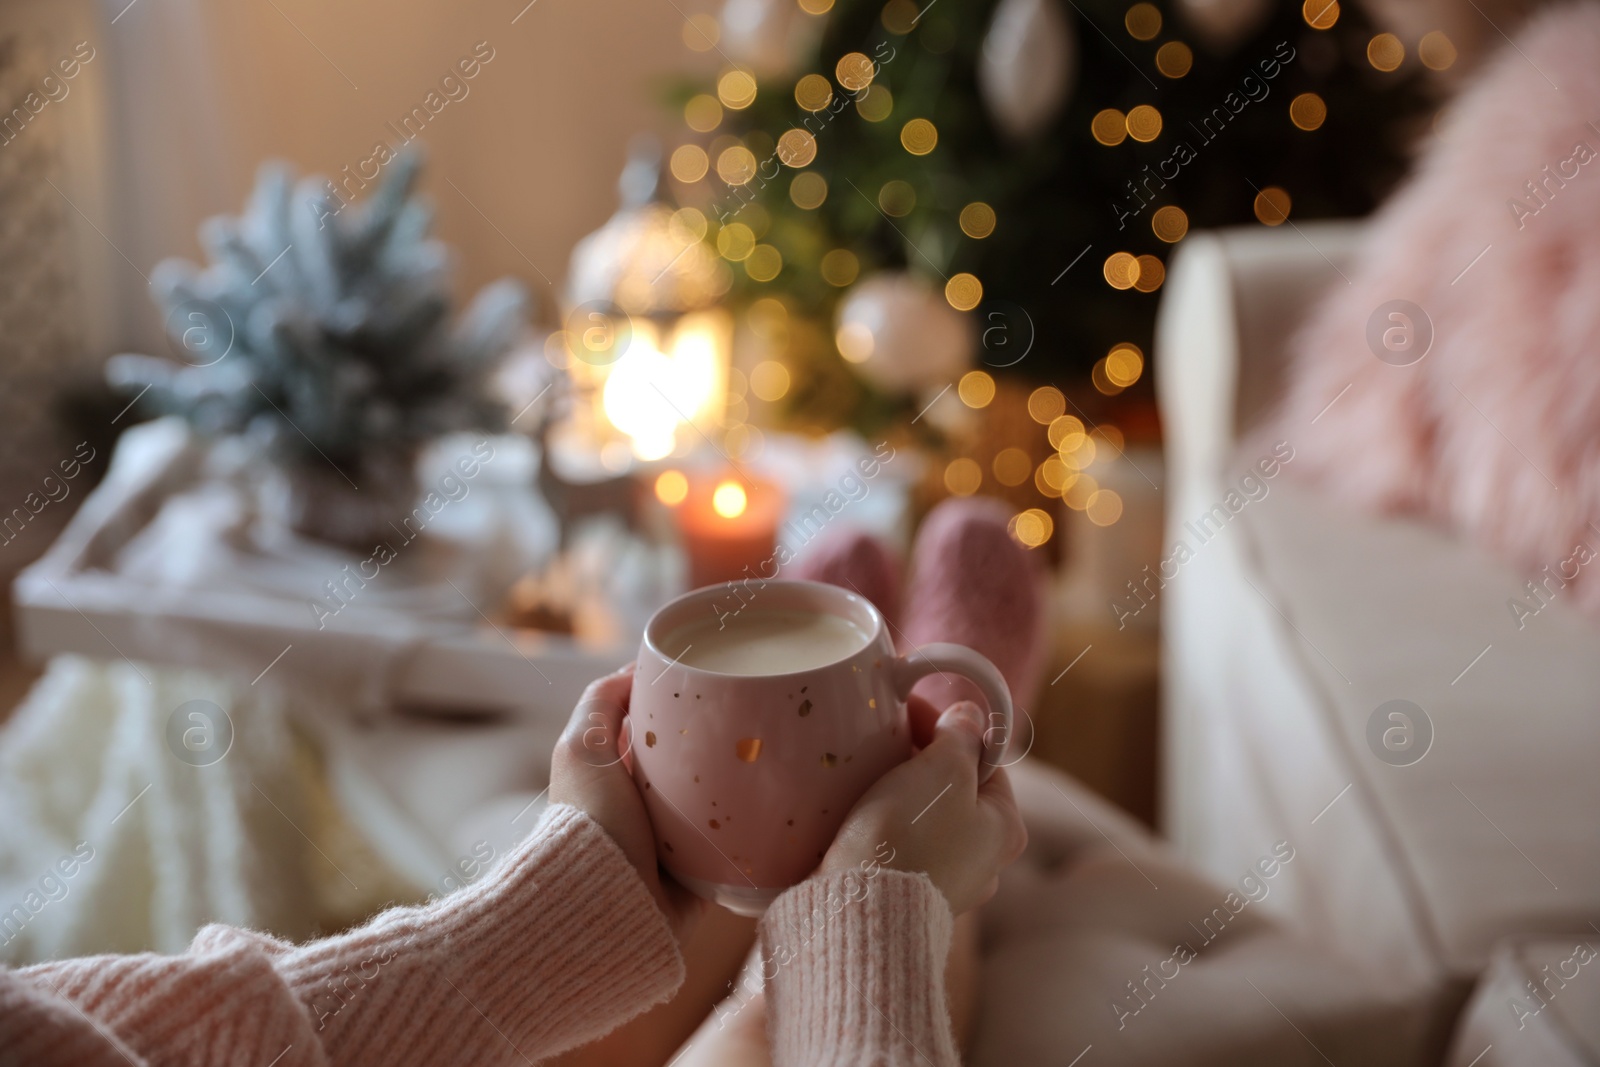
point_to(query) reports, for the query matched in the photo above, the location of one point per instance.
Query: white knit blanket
(121, 831)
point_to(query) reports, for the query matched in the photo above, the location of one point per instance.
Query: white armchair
(1425, 837)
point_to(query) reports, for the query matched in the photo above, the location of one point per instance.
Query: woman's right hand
(934, 815)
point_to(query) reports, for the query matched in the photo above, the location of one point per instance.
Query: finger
(1000, 803)
(595, 727)
(957, 742)
(924, 717)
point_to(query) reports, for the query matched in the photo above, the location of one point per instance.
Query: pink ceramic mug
(747, 777)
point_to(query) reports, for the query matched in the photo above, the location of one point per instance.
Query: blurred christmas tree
(1033, 162)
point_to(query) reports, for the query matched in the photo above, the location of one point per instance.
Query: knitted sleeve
(854, 970)
(558, 946)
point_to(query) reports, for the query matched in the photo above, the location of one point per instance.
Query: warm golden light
(729, 500)
(769, 380)
(1436, 51)
(1385, 52)
(1110, 127)
(963, 292)
(1272, 206)
(813, 92)
(1151, 274)
(1045, 404)
(703, 113)
(1169, 223)
(919, 137)
(897, 198)
(796, 148)
(1063, 427)
(1102, 383)
(1121, 270)
(736, 241)
(1032, 528)
(1307, 111)
(689, 163)
(977, 219)
(816, 7)
(1078, 492)
(1053, 476)
(900, 16)
(840, 267)
(671, 488)
(1144, 123)
(854, 71)
(1103, 507)
(764, 263)
(736, 89)
(1320, 14)
(1174, 59)
(875, 104)
(1143, 21)
(963, 476)
(808, 190)
(1124, 364)
(736, 165)
(1078, 451)
(1012, 466)
(976, 389)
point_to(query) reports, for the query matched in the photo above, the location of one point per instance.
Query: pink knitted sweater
(559, 945)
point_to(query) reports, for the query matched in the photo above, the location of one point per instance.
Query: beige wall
(200, 93)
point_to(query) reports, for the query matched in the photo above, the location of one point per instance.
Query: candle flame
(729, 500)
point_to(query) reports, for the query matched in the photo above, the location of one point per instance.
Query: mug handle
(941, 656)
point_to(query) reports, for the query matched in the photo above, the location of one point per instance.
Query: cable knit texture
(560, 945)
(854, 969)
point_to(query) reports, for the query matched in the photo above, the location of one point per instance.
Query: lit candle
(728, 524)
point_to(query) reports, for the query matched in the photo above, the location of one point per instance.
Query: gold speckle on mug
(667, 845)
(650, 738)
(829, 759)
(749, 749)
(805, 708)
(878, 662)
(847, 759)
(697, 779)
(872, 702)
(854, 669)
(715, 825)
(684, 730)
(677, 695)
(803, 688)
(791, 822)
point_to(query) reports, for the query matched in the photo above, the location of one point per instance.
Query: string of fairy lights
(1074, 446)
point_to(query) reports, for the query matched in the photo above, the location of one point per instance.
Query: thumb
(958, 739)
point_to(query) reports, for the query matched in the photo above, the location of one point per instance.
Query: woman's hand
(935, 816)
(587, 772)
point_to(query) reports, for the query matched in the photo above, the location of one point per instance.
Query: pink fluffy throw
(1493, 248)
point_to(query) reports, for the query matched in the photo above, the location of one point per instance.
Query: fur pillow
(1495, 430)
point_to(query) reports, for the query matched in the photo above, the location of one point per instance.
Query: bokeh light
(701, 32)
(963, 292)
(1144, 123)
(796, 148)
(1121, 270)
(808, 190)
(1272, 206)
(1045, 404)
(1307, 111)
(1151, 274)
(671, 487)
(1169, 223)
(963, 476)
(854, 71)
(977, 219)
(1385, 52)
(689, 163)
(840, 267)
(919, 137)
(976, 389)
(1436, 51)
(875, 104)
(1103, 507)
(764, 263)
(813, 92)
(1143, 21)
(736, 165)
(1320, 14)
(769, 380)
(736, 89)
(1012, 466)
(1110, 127)
(729, 500)
(1174, 59)
(703, 113)
(897, 198)
(1032, 528)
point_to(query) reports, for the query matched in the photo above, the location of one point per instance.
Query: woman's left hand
(588, 772)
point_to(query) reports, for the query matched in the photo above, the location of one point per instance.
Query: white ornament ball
(766, 36)
(902, 335)
(1028, 61)
(1221, 23)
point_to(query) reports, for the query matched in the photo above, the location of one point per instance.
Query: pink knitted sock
(973, 585)
(853, 560)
